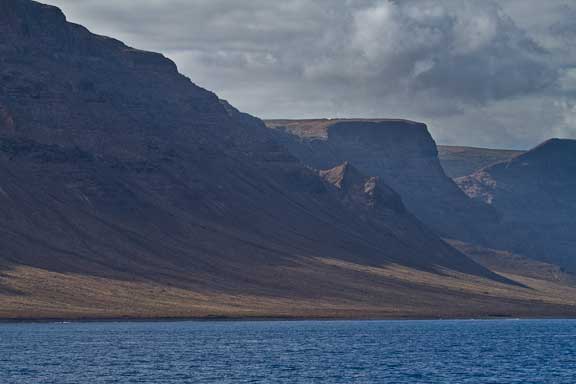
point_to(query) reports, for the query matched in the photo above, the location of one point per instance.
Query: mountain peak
(62, 85)
(552, 150)
(535, 194)
(30, 19)
(554, 158)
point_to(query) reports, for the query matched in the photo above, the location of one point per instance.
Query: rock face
(363, 194)
(463, 161)
(119, 176)
(536, 195)
(402, 154)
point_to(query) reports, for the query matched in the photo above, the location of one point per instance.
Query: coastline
(218, 319)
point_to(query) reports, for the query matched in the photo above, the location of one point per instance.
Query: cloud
(465, 52)
(480, 72)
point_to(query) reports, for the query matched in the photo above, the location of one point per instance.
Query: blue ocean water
(494, 351)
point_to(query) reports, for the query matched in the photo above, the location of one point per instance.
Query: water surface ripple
(438, 352)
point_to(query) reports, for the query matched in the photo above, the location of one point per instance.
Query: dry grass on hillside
(318, 288)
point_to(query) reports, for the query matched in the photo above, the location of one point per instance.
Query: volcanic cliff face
(61, 84)
(126, 190)
(402, 154)
(535, 193)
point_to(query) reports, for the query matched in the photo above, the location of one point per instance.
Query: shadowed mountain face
(463, 161)
(535, 193)
(126, 190)
(401, 154)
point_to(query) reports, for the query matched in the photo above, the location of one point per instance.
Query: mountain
(128, 191)
(463, 161)
(402, 154)
(535, 194)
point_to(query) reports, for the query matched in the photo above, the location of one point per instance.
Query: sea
(343, 352)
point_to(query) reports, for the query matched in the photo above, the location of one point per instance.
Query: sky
(499, 74)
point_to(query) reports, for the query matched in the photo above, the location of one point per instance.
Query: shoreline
(224, 319)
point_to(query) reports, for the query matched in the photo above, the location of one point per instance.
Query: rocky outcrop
(535, 194)
(366, 195)
(402, 154)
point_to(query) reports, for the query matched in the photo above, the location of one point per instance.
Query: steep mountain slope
(536, 194)
(463, 161)
(128, 191)
(402, 154)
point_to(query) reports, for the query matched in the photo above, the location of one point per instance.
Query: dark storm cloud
(481, 72)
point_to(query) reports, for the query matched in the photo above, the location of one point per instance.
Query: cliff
(402, 154)
(535, 194)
